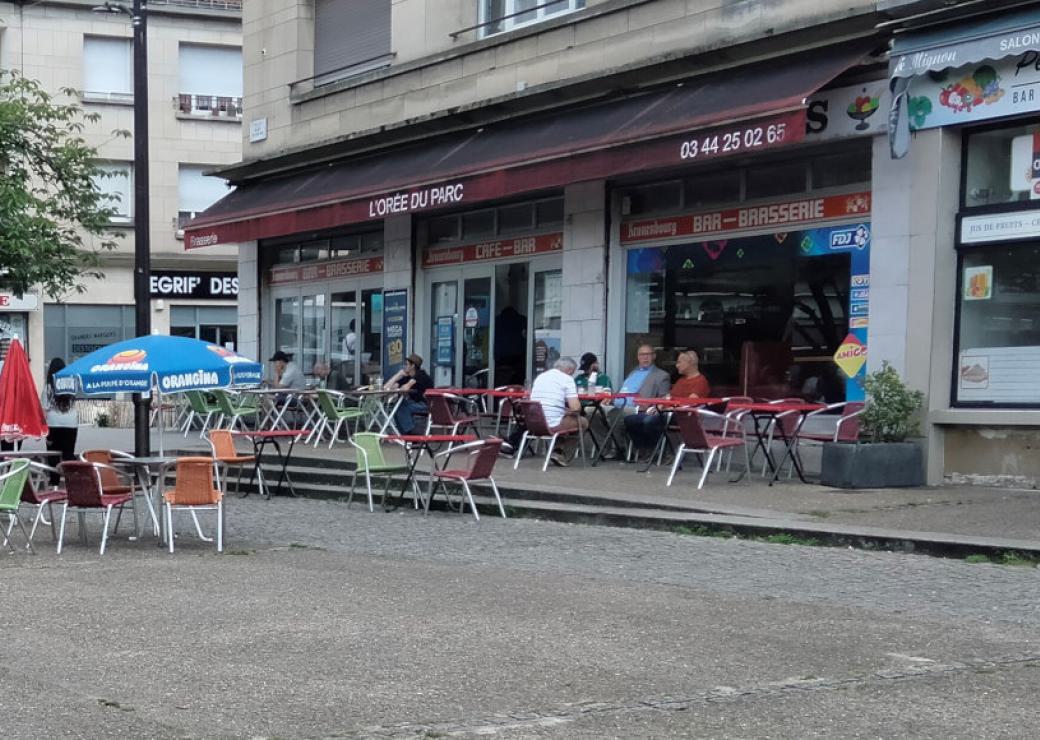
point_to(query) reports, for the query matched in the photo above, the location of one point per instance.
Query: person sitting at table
(645, 429)
(646, 381)
(286, 374)
(556, 391)
(589, 374)
(416, 381)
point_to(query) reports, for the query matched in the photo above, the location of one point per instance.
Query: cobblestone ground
(326, 622)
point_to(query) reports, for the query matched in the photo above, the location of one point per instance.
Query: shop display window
(765, 313)
(998, 338)
(999, 166)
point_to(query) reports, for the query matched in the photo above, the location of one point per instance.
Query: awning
(1005, 35)
(750, 108)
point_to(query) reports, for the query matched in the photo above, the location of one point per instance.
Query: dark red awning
(750, 108)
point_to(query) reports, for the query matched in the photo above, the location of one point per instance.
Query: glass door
(511, 312)
(314, 340)
(546, 323)
(476, 332)
(344, 341)
(444, 296)
(372, 336)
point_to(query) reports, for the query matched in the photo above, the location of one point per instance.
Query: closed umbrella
(21, 415)
(158, 362)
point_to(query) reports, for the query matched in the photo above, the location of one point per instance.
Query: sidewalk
(945, 519)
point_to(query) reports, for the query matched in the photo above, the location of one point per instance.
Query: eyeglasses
(646, 354)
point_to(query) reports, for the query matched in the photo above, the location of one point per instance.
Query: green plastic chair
(333, 415)
(200, 408)
(234, 407)
(13, 477)
(370, 461)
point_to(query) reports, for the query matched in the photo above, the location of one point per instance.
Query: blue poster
(395, 330)
(445, 349)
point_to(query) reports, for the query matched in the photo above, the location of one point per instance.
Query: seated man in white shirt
(556, 391)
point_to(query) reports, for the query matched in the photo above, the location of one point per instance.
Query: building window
(488, 223)
(505, 15)
(196, 192)
(350, 37)
(74, 330)
(215, 324)
(107, 70)
(210, 81)
(340, 246)
(116, 179)
(999, 166)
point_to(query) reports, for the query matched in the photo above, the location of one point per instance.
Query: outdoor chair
(481, 456)
(372, 411)
(504, 412)
(202, 410)
(222, 444)
(233, 409)
(114, 481)
(443, 415)
(333, 415)
(693, 438)
(85, 495)
(537, 428)
(37, 495)
(846, 425)
(194, 490)
(14, 476)
(371, 461)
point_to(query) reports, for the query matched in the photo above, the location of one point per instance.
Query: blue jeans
(403, 419)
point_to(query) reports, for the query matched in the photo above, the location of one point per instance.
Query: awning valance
(750, 108)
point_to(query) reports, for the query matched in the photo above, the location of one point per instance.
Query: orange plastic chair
(222, 442)
(193, 491)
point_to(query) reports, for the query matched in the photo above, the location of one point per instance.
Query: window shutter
(118, 182)
(196, 191)
(349, 33)
(107, 66)
(210, 70)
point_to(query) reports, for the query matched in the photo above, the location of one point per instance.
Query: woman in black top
(416, 381)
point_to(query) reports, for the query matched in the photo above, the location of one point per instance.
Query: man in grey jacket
(646, 380)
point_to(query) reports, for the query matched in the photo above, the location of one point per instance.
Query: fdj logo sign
(849, 237)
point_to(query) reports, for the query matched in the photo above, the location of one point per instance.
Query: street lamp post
(142, 238)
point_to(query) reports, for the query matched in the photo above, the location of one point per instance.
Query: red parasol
(21, 414)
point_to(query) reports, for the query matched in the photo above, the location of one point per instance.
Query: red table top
(460, 391)
(604, 396)
(271, 433)
(422, 438)
(673, 402)
(777, 408)
(506, 394)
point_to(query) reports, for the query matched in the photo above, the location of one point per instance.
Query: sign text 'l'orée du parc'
(416, 200)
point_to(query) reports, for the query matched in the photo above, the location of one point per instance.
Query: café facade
(761, 215)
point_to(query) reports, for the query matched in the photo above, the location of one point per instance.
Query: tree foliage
(54, 221)
(891, 411)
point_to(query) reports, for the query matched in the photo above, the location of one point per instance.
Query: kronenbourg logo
(128, 359)
(851, 355)
(229, 357)
(196, 379)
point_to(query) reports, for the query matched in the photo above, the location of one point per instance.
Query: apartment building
(492, 183)
(195, 121)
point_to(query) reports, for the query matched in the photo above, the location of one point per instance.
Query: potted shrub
(883, 458)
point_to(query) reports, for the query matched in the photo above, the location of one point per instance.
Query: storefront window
(999, 337)
(1000, 166)
(713, 188)
(286, 335)
(548, 313)
(765, 313)
(372, 336)
(478, 224)
(72, 331)
(215, 324)
(774, 180)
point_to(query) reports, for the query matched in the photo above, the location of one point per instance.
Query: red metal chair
(537, 428)
(86, 494)
(693, 438)
(36, 494)
(444, 417)
(482, 456)
(846, 427)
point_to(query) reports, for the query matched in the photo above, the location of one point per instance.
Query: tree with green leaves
(54, 220)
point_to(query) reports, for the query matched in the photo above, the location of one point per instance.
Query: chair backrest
(197, 401)
(14, 474)
(483, 459)
(849, 424)
(109, 477)
(195, 483)
(370, 405)
(222, 443)
(326, 404)
(224, 402)
(534, 418)
(690, 430)
(371, 444)
(440, 409)
(82, 482)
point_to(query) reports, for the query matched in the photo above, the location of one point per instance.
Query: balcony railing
(202, 4)
(208, 106)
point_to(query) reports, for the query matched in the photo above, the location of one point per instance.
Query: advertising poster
(978, 283)
(395, 330)
(445, 349)
(998, 375)
(546, 349)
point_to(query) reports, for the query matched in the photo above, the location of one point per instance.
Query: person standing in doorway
(62, 417)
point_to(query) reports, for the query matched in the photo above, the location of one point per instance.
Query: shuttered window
(350, 36)
(196, 192)
(117, 179)
(210, 70)
(107, 69)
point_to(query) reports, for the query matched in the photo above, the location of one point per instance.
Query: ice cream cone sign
(851, 355)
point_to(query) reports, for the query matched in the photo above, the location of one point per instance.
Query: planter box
(873, 465)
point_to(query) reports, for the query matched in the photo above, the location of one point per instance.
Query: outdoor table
(149, 472)
(29, 454)
(597, 402)
(261, 438)
(475, 396)
(414, 445)
(768, 413)
(273, 416)
(506, 394)
(384, 417)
